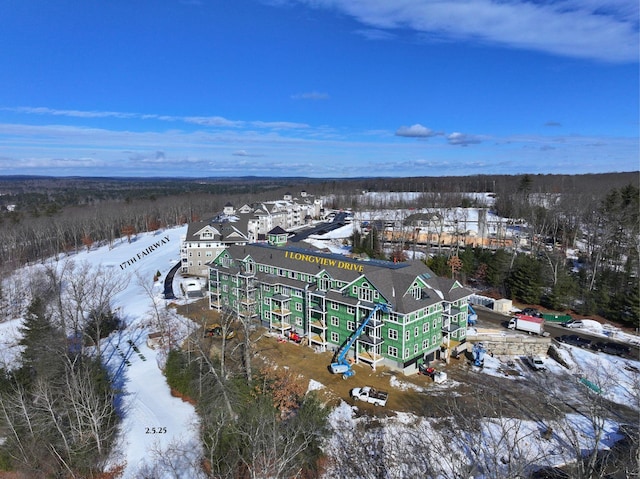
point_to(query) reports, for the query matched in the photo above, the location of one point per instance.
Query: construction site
(466, 386)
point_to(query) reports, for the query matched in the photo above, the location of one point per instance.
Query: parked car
(573, 323)
(609, 347)
(537, 363)
(531, 312)
(575, 340)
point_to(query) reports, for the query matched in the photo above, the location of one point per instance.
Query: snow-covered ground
(154, 420)
(148, 403)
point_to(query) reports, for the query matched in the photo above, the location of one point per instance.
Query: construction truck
(370, 395)
(528, 324)
(341, 365)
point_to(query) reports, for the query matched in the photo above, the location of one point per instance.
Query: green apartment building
(324, 297)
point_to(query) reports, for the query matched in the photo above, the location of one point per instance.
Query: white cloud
(245, 153)
(462, 139)
(416, 131)
(375, 34)
(212, 121)
(69, 113)
(605, 30)
(313, 95)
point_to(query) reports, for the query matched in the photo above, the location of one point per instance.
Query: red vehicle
(295, 337)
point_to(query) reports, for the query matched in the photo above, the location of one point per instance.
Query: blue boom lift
(341, 365)
(472, 317)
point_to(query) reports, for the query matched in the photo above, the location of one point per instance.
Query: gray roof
(230, 228)
(390, 278)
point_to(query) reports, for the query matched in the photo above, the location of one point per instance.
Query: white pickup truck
(370, 395)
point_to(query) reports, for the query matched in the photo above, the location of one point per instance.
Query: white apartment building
(248, 224)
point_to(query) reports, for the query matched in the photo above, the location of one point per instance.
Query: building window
(416, 332)
(425, 344)
(407, 335)
(406, 353)
(351, 326)
(393, 334)
(335, 337)
(425, 327)
(299, 321)
(351, 310)
(392, 351)
(335, 321)
(415, 349)
(266, 301)
(366, 295)
(335, 306)
(298, 306)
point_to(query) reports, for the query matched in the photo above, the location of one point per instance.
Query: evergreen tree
(43, 343)
(562, 293)
(498, 268)
(525, 282)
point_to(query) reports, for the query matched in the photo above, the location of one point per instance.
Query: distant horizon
(305, 178)
(319, 89)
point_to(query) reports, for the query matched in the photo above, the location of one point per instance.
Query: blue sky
(318, 88)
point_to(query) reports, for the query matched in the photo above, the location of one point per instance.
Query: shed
(502, 305)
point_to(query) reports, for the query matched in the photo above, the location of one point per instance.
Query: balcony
(248, 301)
(318, 323)
(316, 306)
(318, 340)
(370, 340)
(450, 328)
(371, 357)
(451, 312)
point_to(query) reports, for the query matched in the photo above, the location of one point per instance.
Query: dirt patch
(474, 392)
